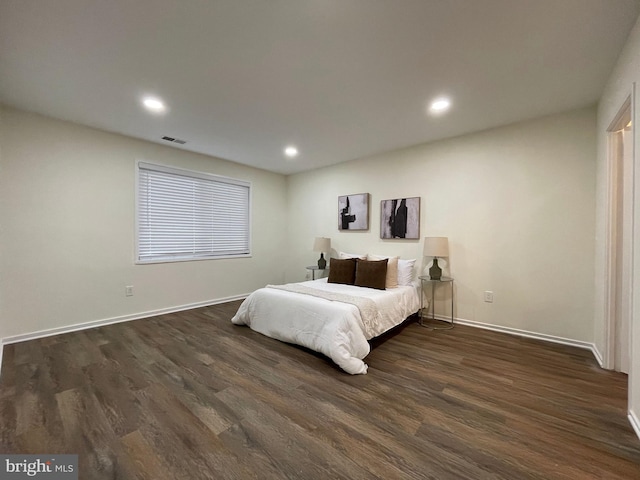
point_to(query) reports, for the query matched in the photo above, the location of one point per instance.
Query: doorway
(620, 241)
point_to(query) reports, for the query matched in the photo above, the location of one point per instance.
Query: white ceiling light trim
(154, 104)
(440, 105)
(291, 151)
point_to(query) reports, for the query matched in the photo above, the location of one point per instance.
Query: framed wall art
(400, 218)
(353, 212)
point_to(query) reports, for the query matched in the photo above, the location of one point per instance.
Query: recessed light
(291, 152)
(440, 105)
(154, 104)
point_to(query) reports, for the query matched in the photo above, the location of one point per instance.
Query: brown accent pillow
(371, 273)
(342, 271)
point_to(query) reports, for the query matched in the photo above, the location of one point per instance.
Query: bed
(334, 319)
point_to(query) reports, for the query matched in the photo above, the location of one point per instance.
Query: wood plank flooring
(191, 396)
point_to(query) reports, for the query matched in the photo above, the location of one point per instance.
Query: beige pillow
(392, 269)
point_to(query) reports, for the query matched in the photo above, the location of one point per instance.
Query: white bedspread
(329, 327)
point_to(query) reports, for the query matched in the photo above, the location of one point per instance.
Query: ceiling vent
(174, 140)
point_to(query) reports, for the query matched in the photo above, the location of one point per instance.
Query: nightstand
(314, 269)
(425, 279)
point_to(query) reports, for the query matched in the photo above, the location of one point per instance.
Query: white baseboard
(598, 355)
(528, 334)
(635, 422)
(108, 321)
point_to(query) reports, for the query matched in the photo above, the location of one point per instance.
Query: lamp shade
(436, 247)
(322, 244)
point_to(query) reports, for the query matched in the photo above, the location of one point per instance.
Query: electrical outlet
(128, 290)
(488, 296)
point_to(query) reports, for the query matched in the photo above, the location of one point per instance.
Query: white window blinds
(184, 215)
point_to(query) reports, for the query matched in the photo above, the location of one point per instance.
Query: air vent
(174, 140)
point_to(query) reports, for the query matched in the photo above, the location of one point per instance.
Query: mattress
(336, 329)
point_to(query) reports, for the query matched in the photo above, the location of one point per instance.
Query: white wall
(67, 228)
(620, 86)
(517, 204)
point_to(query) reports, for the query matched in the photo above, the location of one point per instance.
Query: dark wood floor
(191, 396)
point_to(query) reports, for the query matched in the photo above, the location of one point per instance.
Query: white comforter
(329, 327)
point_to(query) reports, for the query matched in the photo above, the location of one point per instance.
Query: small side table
(427, 279)
(314, 269)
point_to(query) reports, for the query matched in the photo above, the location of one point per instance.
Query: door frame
(612, 240)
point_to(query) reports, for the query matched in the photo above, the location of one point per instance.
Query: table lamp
(436, 247)
(322, 244)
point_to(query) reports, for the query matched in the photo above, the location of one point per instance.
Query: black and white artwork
(353, 212)
(400, 218)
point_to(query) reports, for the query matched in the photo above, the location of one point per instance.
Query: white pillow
(392, 269)
(343, 255)
(406, 272)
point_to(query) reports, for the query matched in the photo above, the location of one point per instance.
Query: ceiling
(339, 79)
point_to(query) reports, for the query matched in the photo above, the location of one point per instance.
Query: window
(185, 215)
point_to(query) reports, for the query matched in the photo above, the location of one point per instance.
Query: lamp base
(435, 272)
(322, 263)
